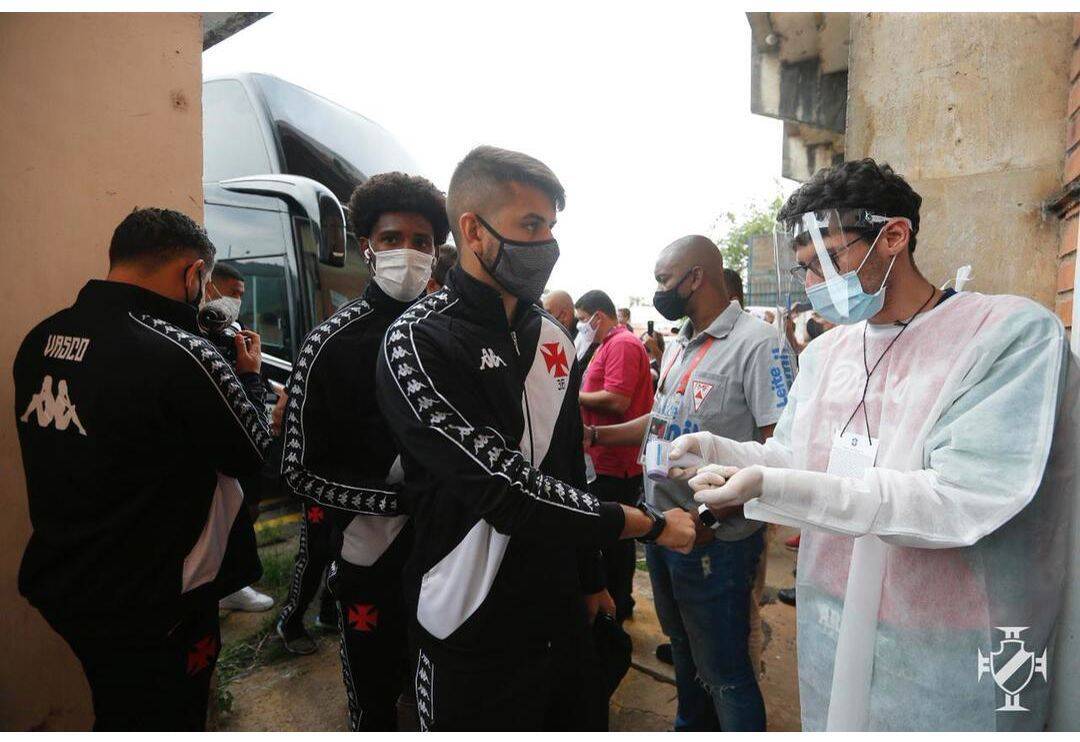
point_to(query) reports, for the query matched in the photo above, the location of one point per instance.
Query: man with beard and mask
(225, 294)
(341, 461)
(476, 384)
(130, 471)
(928, 452)
(724, 372)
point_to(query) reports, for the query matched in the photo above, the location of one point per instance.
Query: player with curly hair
(340, 460)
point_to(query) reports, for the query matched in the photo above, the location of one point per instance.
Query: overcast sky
(644, 116)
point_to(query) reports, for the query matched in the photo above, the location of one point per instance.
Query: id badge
(851, 455)
(657, 430)
(671, 408)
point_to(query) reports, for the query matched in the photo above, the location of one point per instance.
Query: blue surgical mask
(842, 301)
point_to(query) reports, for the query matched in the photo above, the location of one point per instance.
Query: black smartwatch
(658, 525)
(707, 518)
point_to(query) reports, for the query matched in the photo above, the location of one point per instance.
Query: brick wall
(1071, 214)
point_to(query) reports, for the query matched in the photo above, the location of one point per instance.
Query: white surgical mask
(581, 344)
(403, 274)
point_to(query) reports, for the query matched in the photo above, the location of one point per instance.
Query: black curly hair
(395, 191)
(155, 236)
(860, 184)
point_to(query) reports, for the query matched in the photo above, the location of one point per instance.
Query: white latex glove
(702, 445)
(727, 486)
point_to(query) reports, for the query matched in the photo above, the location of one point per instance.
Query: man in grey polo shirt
(725, 372)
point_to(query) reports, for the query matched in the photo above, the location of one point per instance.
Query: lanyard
(690, 370)
(870, 371)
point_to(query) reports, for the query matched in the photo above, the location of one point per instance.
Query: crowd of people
(471, 449)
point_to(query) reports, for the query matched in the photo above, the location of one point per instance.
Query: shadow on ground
(265, 689)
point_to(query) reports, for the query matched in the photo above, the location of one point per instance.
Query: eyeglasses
(814, 266)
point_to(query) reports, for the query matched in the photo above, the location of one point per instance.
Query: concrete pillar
(99, 113)
(971, 109)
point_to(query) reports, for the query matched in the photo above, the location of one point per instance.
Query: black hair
(478, 180)
(734, 285)
(860, 184)
(446, 256)
(227, 272)
(388, 192)
(155, 236)
(596, 301)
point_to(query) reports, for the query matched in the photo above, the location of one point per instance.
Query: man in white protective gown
(928, 450)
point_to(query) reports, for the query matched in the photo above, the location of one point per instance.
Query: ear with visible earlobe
(469, 227)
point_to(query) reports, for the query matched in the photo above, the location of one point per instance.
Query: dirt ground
(286, 693)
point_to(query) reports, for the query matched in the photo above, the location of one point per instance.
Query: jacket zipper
(525, 394)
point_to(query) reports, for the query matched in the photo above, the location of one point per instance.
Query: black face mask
(198, 294)
(668, 302)
(522, 268)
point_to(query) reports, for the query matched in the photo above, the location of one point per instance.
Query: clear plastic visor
(808, 248)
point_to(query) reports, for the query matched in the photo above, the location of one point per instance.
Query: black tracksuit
(338, 454)
(487, 421)
(132, 430)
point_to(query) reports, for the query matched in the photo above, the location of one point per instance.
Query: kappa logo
(701, 391)
(53, 410)
(557, 365)
(490, 359)
(1012, 666)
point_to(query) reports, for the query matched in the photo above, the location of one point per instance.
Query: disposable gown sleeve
(984, 456)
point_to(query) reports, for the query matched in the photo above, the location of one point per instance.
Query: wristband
(658, 526)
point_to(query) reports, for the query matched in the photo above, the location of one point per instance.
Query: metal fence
(762, 289)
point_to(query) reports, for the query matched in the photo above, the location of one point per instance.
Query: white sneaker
(246, 599)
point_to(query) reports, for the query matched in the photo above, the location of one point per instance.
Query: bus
(278, 163)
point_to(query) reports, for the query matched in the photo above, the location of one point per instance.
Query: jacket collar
(126, 297)
(482, 303)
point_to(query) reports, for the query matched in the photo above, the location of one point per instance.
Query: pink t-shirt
(619, 365)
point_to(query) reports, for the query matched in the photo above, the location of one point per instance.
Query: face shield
(808, 248)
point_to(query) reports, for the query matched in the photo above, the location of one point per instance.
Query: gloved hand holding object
(713, 449)
(722, 487)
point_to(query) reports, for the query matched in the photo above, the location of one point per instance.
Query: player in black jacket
(338, 450)
(474, 381)
(133, 429)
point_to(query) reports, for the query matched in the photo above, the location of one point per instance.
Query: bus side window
(265, 308)
(328, 289)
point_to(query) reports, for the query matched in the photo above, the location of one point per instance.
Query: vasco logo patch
(557, 366)
(701, 391)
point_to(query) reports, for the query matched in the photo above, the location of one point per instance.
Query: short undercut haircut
(225, 272)
(397, 192)
(859, 184)
(152, 237)
(596, 301)
(478, 182)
